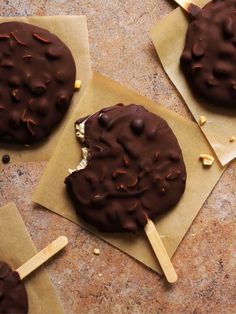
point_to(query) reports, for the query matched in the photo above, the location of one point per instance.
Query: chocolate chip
(131, 180)
(53, 53)
(103, 119)
(132, 207)
(222, 69)
(7, 63)
(198, 49)
(137, 126)
(196, 68)
(228, 26)
(174, 156)
(112, 214)
(15, 120)
(129, 226)
(151, 133)
(6, 159)
(14, 81)
(47, 78)
(32, 105)
(157, 180)
(227, 50)
(186, 57)
(91, 178)
(61, 76)
(62, 102)
(43, 107)
(38, 88)
(7, 53)
(211, 81)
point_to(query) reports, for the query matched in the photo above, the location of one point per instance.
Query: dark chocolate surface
(37, 76)
(135, 169)
(209, 56)
(13, 296)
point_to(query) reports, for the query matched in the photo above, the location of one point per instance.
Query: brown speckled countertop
(205, 260)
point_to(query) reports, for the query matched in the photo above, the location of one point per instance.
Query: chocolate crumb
(6, 159)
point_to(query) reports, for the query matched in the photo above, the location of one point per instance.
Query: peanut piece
(77, 84)
(202, 120)
(96, 251)
(207, 160)
(232, 139)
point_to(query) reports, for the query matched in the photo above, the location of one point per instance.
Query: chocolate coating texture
(209, 56)
(13, 296)
(135, 169)
(37, 76)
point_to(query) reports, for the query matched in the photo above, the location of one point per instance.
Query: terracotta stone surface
(205, 260)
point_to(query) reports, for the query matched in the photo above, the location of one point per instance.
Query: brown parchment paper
(72, 30)
(16, 247)
(168, 36)
(51, 192)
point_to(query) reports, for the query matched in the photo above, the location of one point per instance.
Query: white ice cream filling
(80, 133)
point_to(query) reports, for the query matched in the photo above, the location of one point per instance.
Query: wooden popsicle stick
(41, 257)
(189, 6)
(160, 251)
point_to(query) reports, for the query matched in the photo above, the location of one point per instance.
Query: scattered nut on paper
(232, 139)
(202, 120)
(96, 251)
(207, 160)
(77, 84)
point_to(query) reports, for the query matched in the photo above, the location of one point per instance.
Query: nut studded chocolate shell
(13, 296)
(37, 76)
(134, 169)
(209, 56)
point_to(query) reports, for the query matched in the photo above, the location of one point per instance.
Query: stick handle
(160, 252)
(41, 257)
